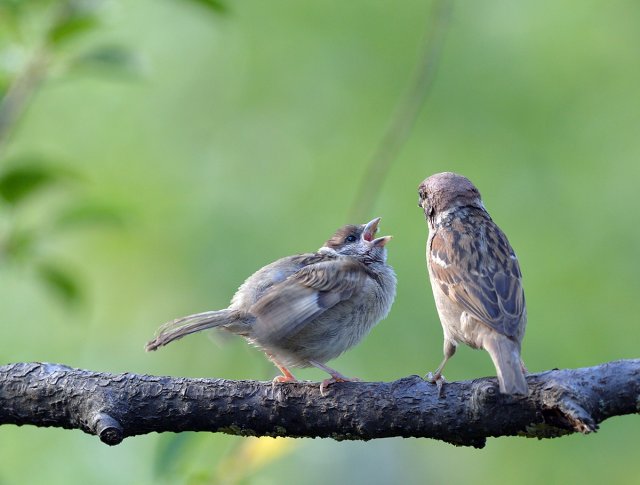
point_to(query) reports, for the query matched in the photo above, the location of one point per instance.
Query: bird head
(360, 241)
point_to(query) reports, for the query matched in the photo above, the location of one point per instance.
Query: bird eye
(351, 238)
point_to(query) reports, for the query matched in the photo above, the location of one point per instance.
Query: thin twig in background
(19, 93)
(28, 81)
(407, 112)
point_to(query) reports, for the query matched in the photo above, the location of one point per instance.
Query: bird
(475, 277)
(307, 309)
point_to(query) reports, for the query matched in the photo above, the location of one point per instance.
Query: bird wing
(288, 306)
(478, 269)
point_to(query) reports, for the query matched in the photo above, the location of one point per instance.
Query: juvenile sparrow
(475, 278)
(307, 309)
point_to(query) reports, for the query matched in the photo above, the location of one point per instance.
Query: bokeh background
(170, 148)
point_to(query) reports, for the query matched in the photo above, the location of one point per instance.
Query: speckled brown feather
(475, 266)
(475, 277)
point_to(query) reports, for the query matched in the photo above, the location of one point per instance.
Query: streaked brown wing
(478, 269)
(287, 307)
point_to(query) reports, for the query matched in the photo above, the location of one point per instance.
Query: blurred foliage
(22, 177)
(214, 5)
(240, 138)
(25, 177)
(110, 60)
(60, 281)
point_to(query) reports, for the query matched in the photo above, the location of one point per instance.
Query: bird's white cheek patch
(329, 251)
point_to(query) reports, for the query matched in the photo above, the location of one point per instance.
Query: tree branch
(115, 406)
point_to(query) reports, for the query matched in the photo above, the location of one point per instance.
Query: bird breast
(344, 325)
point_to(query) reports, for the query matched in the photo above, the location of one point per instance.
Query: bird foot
(335, 378)
(281, 379)
(438, 380)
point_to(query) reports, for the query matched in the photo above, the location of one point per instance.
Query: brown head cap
(446, 190)
(345, 235)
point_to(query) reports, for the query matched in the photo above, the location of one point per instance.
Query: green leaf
(90, 213)
(19, 182)
(72, 25)
(61, 283)
(112, 58)
(213, 5)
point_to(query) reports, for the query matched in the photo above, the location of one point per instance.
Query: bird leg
(436, 377)
(433, 377)
(438, 380)
(335, 376)
(286, 376)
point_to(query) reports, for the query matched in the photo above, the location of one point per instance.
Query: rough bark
(115, 406)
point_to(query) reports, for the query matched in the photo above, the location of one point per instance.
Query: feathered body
(307, 309)
(475, 277)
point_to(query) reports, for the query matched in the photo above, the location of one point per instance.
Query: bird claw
(326, 382)
(280, 380)
(439, 381)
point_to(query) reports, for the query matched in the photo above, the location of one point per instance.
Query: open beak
(369, 233)
(370, 229)
(382, 241)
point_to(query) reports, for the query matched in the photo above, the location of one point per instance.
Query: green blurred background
(198, 143)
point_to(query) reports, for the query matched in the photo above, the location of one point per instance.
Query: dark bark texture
(115, 406)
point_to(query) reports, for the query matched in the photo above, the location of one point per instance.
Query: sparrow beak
(370, 231)
(382, 241)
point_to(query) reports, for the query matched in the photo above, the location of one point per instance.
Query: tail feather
(505, 354)
(180, 327)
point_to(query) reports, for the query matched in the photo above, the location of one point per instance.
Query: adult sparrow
(475, 278)
(307, 309)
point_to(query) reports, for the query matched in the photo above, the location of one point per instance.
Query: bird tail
(180, 327)
(505, 354)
